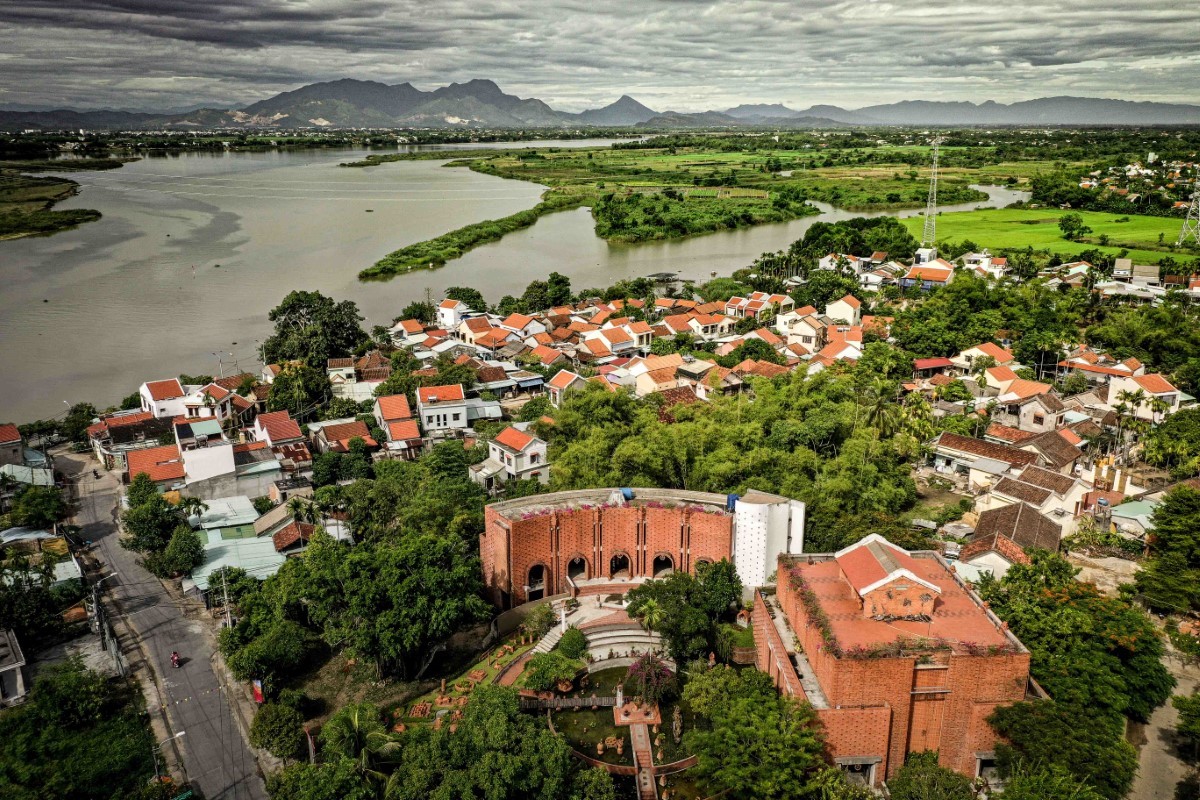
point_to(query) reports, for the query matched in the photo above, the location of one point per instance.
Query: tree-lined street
(217, 761)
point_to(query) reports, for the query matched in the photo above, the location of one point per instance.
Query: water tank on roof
(627, 494)
(731, 501)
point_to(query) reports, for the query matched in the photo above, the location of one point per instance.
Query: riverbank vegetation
(26, 201)
(436, 252)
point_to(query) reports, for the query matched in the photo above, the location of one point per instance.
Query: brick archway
(662, 566)
(538, 582)
(620, 565)
(578, 568)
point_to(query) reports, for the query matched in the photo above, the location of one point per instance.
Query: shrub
(573, 643)
(650, 678)
(278, 729)
(546, 670)
(540, 620)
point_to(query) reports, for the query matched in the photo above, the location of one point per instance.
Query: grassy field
(1009, 228)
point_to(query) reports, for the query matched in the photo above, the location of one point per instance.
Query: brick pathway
(640, 735)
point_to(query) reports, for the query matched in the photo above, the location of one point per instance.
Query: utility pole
(225, 593)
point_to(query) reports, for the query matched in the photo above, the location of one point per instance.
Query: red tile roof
(165, 390)
(1007, 433)
(851, 301)
(403, 431)
(871, 560)
(292, 533)
(440, 394)
(563, 379)
(514, 439)
(345, 431)
(932, 363)
(9, 432)
(1154, 383)
(394, 407)
(997, 352)
(160, 463)
(279, 426)
(979, 447)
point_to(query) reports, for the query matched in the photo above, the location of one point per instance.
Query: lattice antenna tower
(1191, 225)
(929, 235)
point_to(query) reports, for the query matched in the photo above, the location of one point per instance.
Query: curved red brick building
(586, 541)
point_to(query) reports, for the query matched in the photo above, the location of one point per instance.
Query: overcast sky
(688, 55)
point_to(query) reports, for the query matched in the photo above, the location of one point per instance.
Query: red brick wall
(576, 537)
(664, 536)
(493, 553)
(899, 598)
(858, 732)
(597, 534)
(531, 544)
(974, 686)
(772, 652)
(710, 536)
(620, 533)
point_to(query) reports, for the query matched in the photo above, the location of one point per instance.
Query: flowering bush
(650, 678)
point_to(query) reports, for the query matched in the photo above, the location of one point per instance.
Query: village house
(275, 428)
(450, 313)
(163, 398)
(846, 310)
(114, 435)
(1001, 537)
(1161, 397)
(563, 382)
(335, 435)
(357, 379)
(12, 445)
(1062, 498)
(931, 275)
(976, 459)
(758, 304)
(514, 455)
(964, 362)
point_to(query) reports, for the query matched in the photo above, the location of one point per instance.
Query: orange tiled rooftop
(957, 617)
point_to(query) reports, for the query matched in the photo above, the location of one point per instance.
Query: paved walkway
(1163, 758)
(217, 760)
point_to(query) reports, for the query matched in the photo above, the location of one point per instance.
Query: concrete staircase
(621, 640)
(549, 640)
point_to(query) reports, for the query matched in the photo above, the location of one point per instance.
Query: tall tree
(312, 328)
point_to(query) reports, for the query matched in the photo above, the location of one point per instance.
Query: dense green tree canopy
(1087, 649)
(1170, 579)
(312, 328)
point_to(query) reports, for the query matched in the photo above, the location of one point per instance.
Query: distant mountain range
(353, 103)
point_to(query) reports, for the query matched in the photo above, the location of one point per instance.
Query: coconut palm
(1159, 408)
(356, 732)
(651, 614)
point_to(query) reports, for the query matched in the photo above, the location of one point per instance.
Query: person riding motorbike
(174, 659)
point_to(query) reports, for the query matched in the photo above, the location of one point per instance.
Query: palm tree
(192, 506)
(356, 732)
(651, 614)
(1159, 407)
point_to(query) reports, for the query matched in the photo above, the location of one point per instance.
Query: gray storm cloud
(678, 54)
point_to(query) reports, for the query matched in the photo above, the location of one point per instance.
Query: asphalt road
(218, 762)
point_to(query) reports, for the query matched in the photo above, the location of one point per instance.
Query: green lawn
(1005, 228)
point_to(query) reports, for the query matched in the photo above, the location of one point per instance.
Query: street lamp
(154, 752)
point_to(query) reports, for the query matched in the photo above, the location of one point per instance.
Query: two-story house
(848, 309)
(515, 454)
(163, 398)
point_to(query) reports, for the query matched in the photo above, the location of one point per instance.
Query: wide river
(194, 250)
